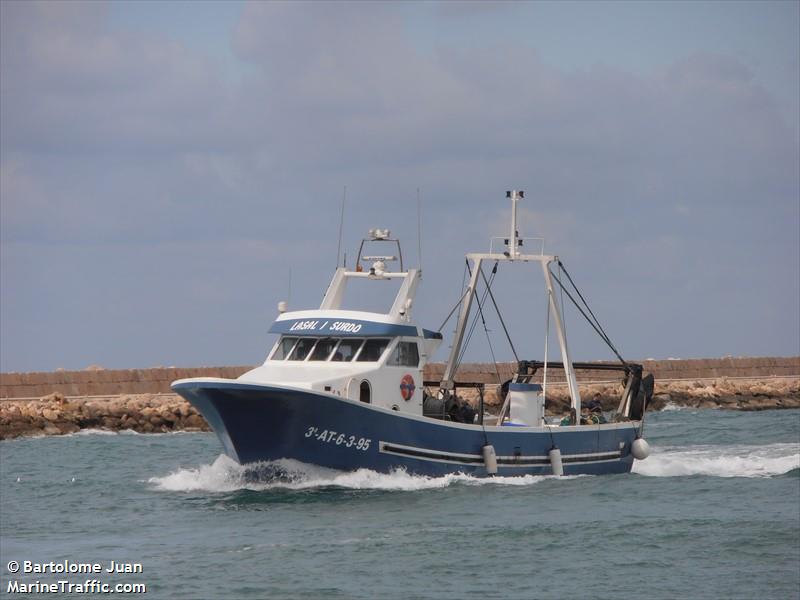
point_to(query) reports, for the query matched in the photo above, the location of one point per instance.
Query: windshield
(372, 350)
(334, 349)
(302, 349)
(347, 349)
(323, 349)
(284, 347)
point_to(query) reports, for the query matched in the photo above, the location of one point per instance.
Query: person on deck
(595, 405)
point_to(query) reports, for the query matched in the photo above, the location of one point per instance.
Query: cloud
(72, 84)
(115, 137)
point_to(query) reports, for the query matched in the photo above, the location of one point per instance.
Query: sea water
(714, 512)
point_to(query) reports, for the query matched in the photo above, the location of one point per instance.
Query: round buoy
(640, 449)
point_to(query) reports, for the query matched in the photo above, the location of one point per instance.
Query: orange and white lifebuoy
(407, 387)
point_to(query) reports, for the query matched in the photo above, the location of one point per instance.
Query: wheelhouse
(397, 352)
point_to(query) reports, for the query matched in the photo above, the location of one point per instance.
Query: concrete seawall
(140, 399)
(111, 382)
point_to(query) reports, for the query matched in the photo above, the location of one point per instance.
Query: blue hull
(261, 423)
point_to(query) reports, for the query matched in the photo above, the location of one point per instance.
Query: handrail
(521, 239)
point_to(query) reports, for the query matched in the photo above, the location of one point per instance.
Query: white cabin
(377, 358)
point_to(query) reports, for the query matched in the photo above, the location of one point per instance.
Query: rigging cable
(502, 322)
(474, 324)
(546, 341)
(585, 303)
(489, 342)
(595, 327)
(452, 311)
(463, 295)
(563, 313)
(544, 375)
(485, 329)
(483, 425)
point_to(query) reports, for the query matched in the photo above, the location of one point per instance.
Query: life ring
(407, 387)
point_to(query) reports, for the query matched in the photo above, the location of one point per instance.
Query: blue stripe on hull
(260, 422)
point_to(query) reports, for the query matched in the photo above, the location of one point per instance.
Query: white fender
(555, 461)
(489, 459)
(640, 449)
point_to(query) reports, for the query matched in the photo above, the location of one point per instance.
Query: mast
(463, 316)
(513, 241)
(569, 371)
(512, 254)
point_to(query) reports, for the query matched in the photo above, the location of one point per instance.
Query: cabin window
(323, 349)
(284, 347)
(405, 354)
(346, 350)
(372, 350)
(364, 392)
(302, 348)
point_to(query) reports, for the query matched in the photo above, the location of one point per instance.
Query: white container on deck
(526, 404)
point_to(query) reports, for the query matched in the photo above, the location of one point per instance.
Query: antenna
(419, 231)
(513, 240)
(341, 225)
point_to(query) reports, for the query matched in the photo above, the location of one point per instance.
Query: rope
(486, 330)
(483, 425)
(546, 342)
(464, 295)
(563, 312)
(585, 303)
(595, 327)
(472, 327)
(497, 309)
(544, 375)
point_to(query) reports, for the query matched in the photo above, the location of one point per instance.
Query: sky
(170, 171)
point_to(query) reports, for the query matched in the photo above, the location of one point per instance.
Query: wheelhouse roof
(316, 326)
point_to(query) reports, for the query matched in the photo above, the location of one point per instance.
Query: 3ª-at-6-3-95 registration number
(329, 436)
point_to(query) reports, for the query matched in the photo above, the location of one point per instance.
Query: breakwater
(139, 399)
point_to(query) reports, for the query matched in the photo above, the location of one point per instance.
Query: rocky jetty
(57, 414)
(733, 394)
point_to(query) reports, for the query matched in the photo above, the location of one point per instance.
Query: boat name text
(344, 326)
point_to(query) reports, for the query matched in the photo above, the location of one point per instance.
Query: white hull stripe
(505, 461)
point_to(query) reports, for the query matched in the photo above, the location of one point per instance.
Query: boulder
(66, 427)
(51, 415)
(110, 423)
(196, 421)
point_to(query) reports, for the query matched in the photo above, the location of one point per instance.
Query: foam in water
(225, 475)
(83, 432)
(720, 461)
(671, 407)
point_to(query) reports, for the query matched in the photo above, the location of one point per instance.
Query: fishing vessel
(344, 388)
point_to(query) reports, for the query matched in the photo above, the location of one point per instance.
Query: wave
(721, 461)
(90, 431)
(225, 475)
(673, 407)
